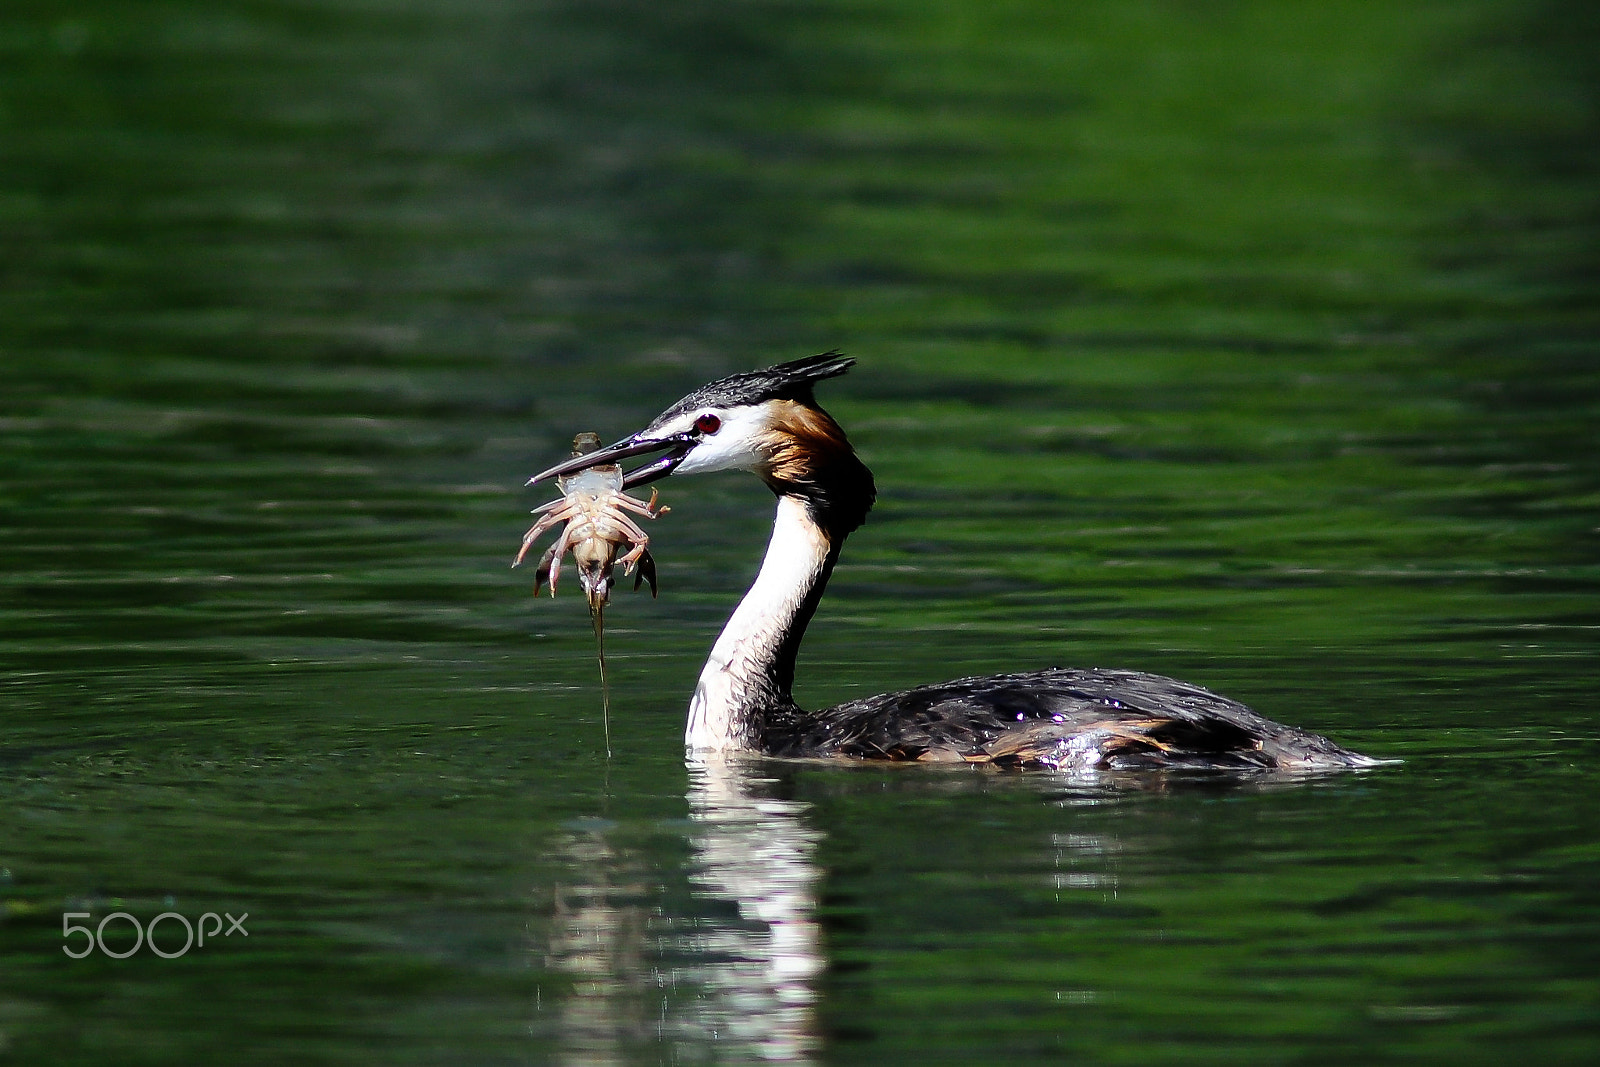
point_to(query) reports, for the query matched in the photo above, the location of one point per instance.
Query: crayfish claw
(541, 573)
(646, 573)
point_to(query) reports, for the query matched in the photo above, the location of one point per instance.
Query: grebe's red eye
(707, 424)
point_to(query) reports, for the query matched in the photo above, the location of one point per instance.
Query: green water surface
(1252, 343)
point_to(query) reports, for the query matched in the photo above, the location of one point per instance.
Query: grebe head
(764, 421)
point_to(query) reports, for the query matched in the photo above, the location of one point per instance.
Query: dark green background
(1256, 343)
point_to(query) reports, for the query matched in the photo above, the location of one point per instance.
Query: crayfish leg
(536, 530)
(555, 553)
(639, 507)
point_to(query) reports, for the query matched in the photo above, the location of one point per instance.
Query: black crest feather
(786, 381)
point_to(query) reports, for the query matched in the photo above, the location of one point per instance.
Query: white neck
(744, 672)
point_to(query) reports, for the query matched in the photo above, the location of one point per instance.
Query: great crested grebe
(768, 422)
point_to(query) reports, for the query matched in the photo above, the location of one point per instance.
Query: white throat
(740, 673)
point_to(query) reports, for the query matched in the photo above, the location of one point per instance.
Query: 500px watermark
(95, 937)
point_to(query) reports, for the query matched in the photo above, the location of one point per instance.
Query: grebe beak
(676, 447)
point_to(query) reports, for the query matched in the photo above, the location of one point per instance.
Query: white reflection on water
(725, 984)
(757, 852)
